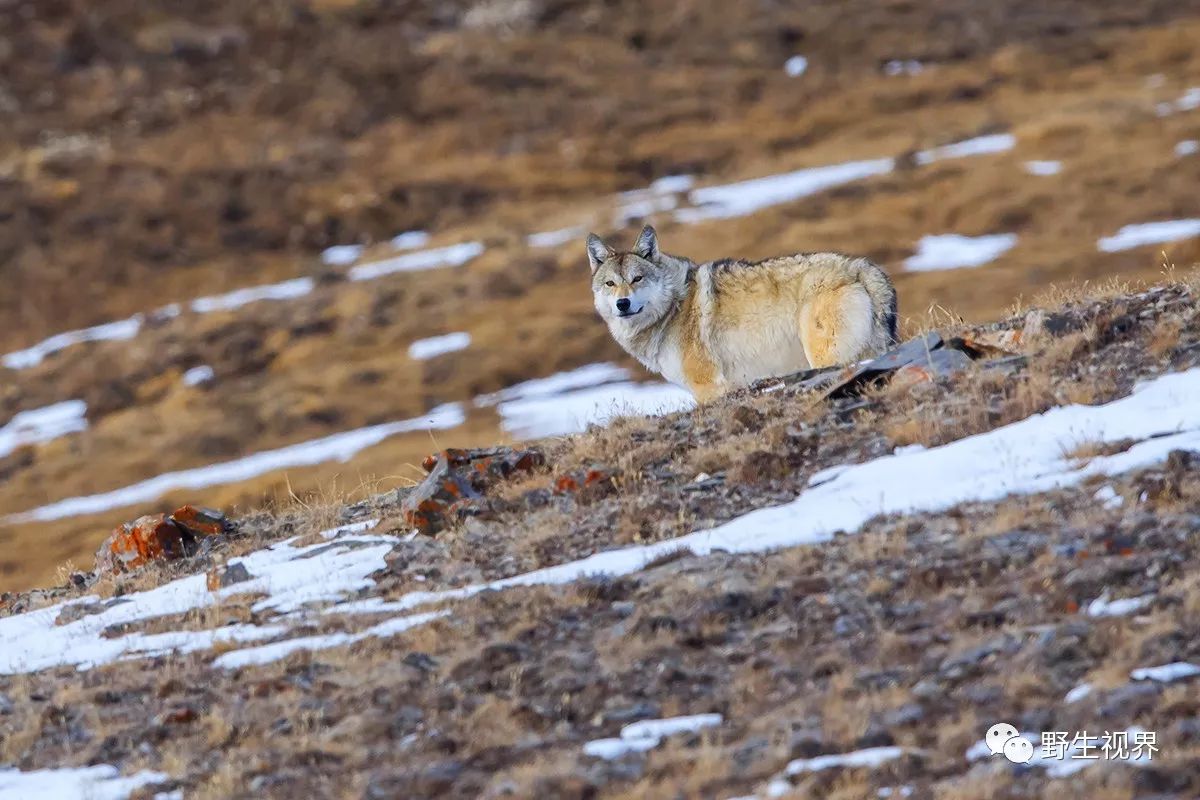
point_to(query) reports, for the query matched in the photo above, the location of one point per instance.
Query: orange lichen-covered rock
(458, 479)
(587, 484)
(157, 537)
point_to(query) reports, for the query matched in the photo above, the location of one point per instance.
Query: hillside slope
(776, 595)
(172, 179)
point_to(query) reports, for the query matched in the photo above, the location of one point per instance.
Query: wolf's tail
(883, 299)
(891, 319)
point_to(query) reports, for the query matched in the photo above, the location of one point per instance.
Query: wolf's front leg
(707, 392)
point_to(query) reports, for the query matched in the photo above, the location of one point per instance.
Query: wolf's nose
(623, 305)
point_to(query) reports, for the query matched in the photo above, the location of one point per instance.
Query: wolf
(720, 325)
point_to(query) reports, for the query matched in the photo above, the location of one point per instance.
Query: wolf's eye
(609, 283)
(635, 280)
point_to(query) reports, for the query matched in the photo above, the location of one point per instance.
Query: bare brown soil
(151, 155)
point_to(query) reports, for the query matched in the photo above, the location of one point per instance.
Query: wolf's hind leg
(837, 326)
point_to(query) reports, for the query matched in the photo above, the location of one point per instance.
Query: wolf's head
(635, 289)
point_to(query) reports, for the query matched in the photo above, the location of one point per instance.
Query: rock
(624, 608)
(905, 715)
(919, 360)
(457, 480)
(875, 736)
(422, 662)
(77, 611)
(588, 485)
(806, 743)
(623, 715)
(1041, 323)
(158, 537)
(938, 364)
(223, 577)
(190, 42)
(405, 720)
(1130, 701)
(968, 661)
(983, 694)
(179, 715)
(435, 780)
(6, 705)
(987, 344)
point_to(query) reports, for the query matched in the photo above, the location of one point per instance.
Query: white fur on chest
(669, 364)
(662, 354)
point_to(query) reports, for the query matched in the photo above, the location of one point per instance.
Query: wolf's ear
(598, 251)
(647, 244)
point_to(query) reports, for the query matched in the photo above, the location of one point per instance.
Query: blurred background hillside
(225, 225)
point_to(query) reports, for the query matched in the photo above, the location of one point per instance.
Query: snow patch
(951, 251)
(640, 209)
(1102, 606)
(101, 782)
(341, 255)
(197, 375)
(1108, 497)
(434, 346)
(1078, 693)
(1132, 236)
(338, 447)
(45, 424)
(1043, 168)
(454, 255)
(286, 290)
(1189, 101)
(121, 330)
(640, 736)
(1188, 147)
(657, 197)
(579, 378)
(870, 758)
(746, 197)
(795, 66)
(572, 412)
(903, 67)
(291, 578)
(410, 240)
(980, 145)
(555, 238)
(1175, 671)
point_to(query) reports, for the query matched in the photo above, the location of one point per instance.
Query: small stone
(77, 611)
(928, 689)
(224, 577)
(1130, 701)
(623, 715)
(623, 608)
(905, 715)
(421, 661)
(875, 736)
(805, 743)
